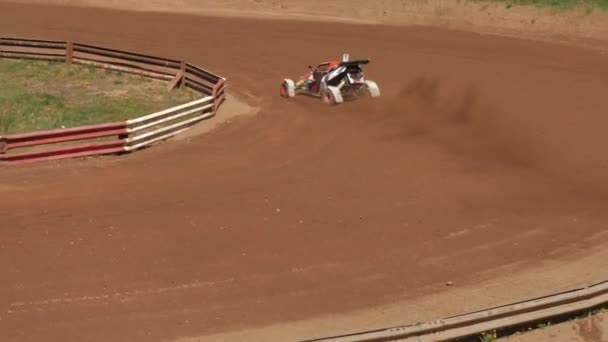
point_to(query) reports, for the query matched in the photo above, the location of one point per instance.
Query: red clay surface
(483, 151)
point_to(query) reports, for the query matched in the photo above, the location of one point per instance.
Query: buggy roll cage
(355, 62)
(344, 63)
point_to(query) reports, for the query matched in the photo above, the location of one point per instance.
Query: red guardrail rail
(28, 140)
(218, 94)
(144, 65)
(32, 49)
(54, 144)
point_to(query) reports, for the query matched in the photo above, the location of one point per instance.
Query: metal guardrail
(498, 318)
(130, 135)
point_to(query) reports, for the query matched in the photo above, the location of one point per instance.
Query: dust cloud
(466, 122)
(460, 121)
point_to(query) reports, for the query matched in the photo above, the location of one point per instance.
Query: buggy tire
(288, 88)
(372, 88)
(332, 95)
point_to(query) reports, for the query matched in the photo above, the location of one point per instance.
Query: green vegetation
(522, 329)
(588, 5)
(46, 95)
(488, 337)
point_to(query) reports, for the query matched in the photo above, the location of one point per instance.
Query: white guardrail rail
(152, 128)
(499, 318)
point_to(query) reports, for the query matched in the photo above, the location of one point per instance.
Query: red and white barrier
(128, 136)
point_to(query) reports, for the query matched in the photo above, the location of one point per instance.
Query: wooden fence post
(180, 77)
(69, 52)
(182, 69)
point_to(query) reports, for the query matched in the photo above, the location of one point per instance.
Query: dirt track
(483, 152)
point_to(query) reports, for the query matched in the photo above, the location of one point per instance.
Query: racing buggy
(333, 81)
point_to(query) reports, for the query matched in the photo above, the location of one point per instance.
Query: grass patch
(46, 95)
(587, 5)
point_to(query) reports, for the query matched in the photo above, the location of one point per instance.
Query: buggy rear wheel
(288, 88)
(372, 88)
(331, 95)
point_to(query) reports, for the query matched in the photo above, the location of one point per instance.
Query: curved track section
(482, 152)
